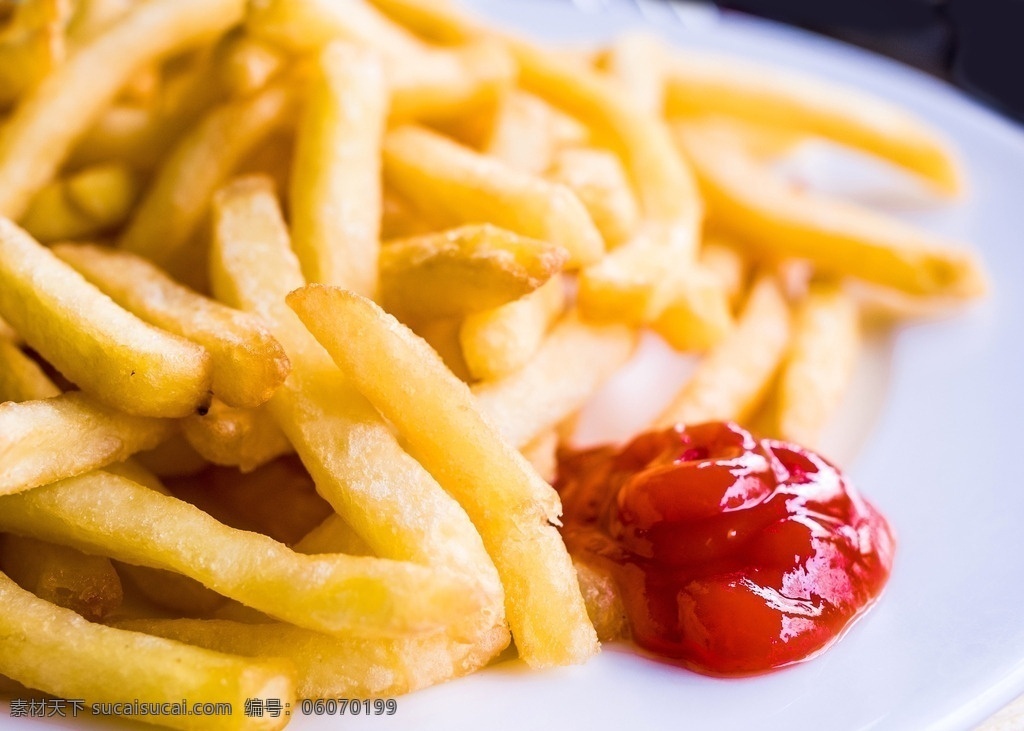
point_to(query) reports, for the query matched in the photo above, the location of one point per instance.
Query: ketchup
(732, 555)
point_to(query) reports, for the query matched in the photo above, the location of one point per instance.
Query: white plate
(945, 646)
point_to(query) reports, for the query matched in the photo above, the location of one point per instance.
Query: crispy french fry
(178, 199)
(442, 334)
(454, 185)
(523, 134)
(70, 434)
(104, 349)
(509, 503)
(438, 20)
(88, 203)
(572, 362)
(330, 667)
(352, 454)
(775, 219)
(108, 514)
(598, 179)
(333, 535)
(87, 585)
(699, 83)
(464, 270)
(38, 136)
(245, 64)
(336, 192)
(399, 219)
(540, 452)
(725, 262)
(45, 646)
(243, 438)
(170, 590)
(497, 342)
(819, 364)
(21, 378)
(731, 380)
(247, 363)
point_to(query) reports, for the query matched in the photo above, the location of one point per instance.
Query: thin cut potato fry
(819, 364)
(87, 585)
(464, 270)
(442, 334)
(335, 182)
(21, 378)
(497, 342)
(67, 435)
(32, 44)
(604, 602)
(104, 349)
(509, 503)
(598, 179)
(541, 453)
(104, 513)
(331, 667)
(454, 185)
(722, 260)
(88, 203)
(245, 64)
(575, 358)
(248, 364)
(243, 438)
(399, 219)
(38, 136)
(170, 590)
(698, 83)
(775, 219)
(356, 462)
(522, 134)
(439, 20)
(46, 646)
(174, 206)
(730, 382)
(636, 61)
(333, 535)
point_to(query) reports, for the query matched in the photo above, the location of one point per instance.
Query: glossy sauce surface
(732, 555)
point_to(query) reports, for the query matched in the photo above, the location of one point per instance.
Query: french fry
(170, 590)
(246, 64)
(540, 452)
(172, 458)
(174, 206)
(247, 363)
(36, 439)
(104, 349)
(330, 667)
(21, 378)
(725, 262)
(819, 365)
(439, 20)
(497, 342)
(108, 514)
(453, 184)
(734, 376)
(354, 458)
(636, 61)
(523, 133)
(42, 130)
(336, 192)
(87, 585)
(575, 358)
(699, 84)
(442, 334)
(604, 602)
(91, 17)
(32, 44)
(599, 181)
(243, 438)
(45, 645)
(333, 535)
(88, 203)
(510, 505)
(775, 219)
(399, 219)
(464, 270)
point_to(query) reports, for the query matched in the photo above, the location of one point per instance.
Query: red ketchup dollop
(732, 555)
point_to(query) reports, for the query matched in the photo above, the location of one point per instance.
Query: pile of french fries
(298, 299)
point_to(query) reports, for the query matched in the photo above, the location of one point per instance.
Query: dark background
(978, 45)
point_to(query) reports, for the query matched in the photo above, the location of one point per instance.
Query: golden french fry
(725, 262)
(32, 44)
(399, 219)
(438, 20)
(541, 453)
(636, 61)
(775, 219)
(442, 334)
(335, 189)
(497, 342)
(510, 505)
(523, 133)
(331, 667)
(819, 364)
(575, 358)
(104, 349)
(333, 535)
(243, 438)
(21, 378)
(354, 458)
(87, 585)
(245, 64)
(598, 179)
(88, 203)
(734, 376)
(178, 199)
(70, 434)
(104, 513)
(247, 363)
(169, 590)
(464, 270)
(453, 184)
(91, 17)
(699, 83)
(172, 458)
(604, 602)
(38, 136)
(45, 646)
